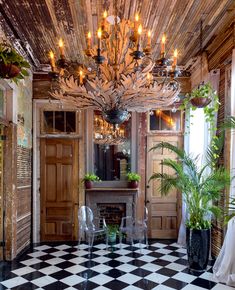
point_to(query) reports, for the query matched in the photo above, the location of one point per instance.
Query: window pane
(48, 121)
(165, 120)
(59, 122)
(70, 122)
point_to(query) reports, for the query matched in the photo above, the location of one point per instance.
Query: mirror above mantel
(112, 148)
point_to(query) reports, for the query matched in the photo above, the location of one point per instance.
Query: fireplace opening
(112, 212)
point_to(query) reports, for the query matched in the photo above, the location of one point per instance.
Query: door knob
(147, 201)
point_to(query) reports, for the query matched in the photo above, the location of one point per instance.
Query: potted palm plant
(88, 180)
(133, 179)
(200, 190)
(12, 64)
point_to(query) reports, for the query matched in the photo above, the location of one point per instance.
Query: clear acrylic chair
(134, 229)
(91, 227)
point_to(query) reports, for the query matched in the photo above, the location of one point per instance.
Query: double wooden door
(164, 212)
(59, 189)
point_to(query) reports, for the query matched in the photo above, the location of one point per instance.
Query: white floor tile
(124, 259)
(101, 268)
(151, 267)
(78, 260)
(72, 280)
(169, 258)
(222, 287)
(41, 248)
(159, 245)
(176, 267)
(63, 247)
(157, 278)
(76, 269)
(147, 258)
(122, 252)
(30, 262)
(14, 282)
(55, 261)
(23, 271)
(126, 268)
(162, 287)
(101, 252)
(80, 253)
(101, 279)
(184, 277)
(143, 251)
(59, 253)
(193, 287)
(164, 251)
(37, 254)
(131, 287)
(207, 276)
(49, 270)
(101, 260)
(43, 281)
(129, 278)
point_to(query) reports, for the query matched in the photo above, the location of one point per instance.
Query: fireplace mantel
(102, 195)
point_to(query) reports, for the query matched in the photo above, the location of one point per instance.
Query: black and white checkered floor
(161, 266)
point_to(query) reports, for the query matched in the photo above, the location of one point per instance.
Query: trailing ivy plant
(210, 110)
(9, 56)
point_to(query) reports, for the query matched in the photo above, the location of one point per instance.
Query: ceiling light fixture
(118, 79)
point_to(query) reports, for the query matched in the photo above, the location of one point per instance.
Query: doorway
(59, 189)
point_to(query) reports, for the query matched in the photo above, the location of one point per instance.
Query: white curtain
(196, 143)
(224, 267)
(232, 149)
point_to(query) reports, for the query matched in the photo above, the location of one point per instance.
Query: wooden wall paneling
(24, 192)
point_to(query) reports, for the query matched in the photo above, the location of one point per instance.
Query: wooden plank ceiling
(39, 24)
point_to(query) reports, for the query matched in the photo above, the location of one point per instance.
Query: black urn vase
(198, 248)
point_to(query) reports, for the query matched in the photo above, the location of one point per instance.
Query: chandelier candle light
(118, 78)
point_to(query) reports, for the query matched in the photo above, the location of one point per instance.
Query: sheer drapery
(224, 267)
(232, 149)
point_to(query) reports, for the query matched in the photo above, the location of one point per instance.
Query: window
(59, 122)
(165, 120)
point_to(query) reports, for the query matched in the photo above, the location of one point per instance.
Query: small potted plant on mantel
(12, 64)
(88, 180)
(133, 179)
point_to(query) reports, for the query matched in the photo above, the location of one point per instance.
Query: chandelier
(104, 134)
(117, 79)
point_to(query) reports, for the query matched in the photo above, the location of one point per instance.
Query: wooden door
(164, 212)
(59, 187)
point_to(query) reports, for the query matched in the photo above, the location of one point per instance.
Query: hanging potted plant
(203, 97)
(200, 191)
(12, 64)
(88, 180)
(133, 179)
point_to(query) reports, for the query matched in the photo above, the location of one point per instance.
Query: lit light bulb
(61, 47)
(105, 14)
(140, 29)
(99, 33)
(136, 17)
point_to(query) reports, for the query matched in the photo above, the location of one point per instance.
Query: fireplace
(112, 203)
(112, 212)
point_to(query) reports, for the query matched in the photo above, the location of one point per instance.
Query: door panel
(59, 183)
(164, 212)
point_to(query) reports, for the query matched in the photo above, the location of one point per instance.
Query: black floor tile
(145, 284)
(167, 272)
(203, 283)
(115, 285)
(176, 284)
(61, 274)
(87, 285)
(56, 286)
(114, 273)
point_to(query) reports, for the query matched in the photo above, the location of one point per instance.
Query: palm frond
(165, 145)
(229, 123)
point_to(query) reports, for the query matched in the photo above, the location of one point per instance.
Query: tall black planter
(198, 248)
